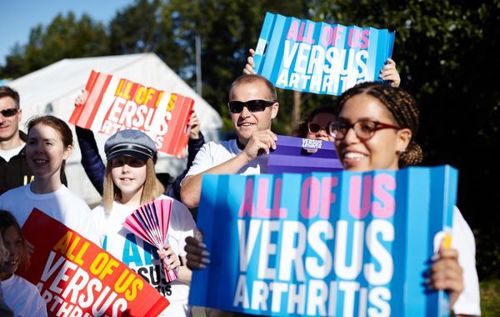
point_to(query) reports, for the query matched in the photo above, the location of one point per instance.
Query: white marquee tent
(53, 89)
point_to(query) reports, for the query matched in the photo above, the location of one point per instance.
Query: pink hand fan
(150, 223)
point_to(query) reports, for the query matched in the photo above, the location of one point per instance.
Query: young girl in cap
(130, 182)
(21, 296)
(49, 144)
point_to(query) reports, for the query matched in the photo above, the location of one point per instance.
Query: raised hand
(446, 273)
(194, 127)
(81, 98)
(390, 73)
(249, 66)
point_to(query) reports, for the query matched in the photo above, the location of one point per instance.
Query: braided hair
(401, 105)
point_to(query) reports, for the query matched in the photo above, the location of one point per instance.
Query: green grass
(490, 298)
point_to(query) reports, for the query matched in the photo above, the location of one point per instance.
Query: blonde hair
(250, 79)
(151, 189)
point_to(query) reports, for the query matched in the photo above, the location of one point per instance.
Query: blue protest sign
(336, 244)
(318, 57)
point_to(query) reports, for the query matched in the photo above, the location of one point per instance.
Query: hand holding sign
(249, 66)
(197, 254)
(446, 273)
(390, 73)
(260, 142)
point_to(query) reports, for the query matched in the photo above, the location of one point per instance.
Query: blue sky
(19, 16)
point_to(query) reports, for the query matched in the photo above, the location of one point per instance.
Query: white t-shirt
(22, 297)
(62, 205)
(213, 154)
(8, 154)
(141, 256)
(463, 241)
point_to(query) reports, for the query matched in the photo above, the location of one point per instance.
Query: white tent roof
(63, 81)
(53, 89)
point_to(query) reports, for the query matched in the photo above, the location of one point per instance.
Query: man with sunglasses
(253, 105)
(14, 170)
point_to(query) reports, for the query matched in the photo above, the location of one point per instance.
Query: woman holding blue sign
(375, 129)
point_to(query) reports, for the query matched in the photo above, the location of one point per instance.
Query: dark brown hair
(7, 220)
(6, 91)
(403, 108)
(58, 125)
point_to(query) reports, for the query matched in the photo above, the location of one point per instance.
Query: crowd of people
(373, 126)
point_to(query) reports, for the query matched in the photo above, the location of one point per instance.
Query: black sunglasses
(252, 105)
(315, 128)
(130, 161)
(9, 112)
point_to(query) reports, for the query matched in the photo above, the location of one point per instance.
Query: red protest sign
(115, 103)
(77, 278)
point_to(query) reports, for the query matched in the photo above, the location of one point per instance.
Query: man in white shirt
(252, 104)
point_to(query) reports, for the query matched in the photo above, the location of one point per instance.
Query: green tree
(135, 29)
(227, 30)
(65, 37)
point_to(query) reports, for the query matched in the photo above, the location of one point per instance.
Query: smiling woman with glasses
(376, 129)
